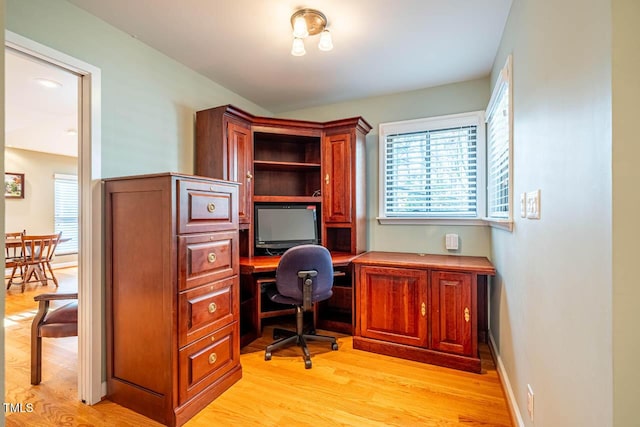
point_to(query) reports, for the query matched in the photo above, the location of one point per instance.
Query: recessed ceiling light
(49, 83)
(72, 132)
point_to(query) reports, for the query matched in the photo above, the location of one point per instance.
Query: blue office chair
(304, 276)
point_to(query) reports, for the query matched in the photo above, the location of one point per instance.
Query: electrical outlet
(530, 401)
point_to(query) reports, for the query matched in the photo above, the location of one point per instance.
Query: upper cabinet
(223, 151)
(289, 161)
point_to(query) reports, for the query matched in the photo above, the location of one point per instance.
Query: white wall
(448, 99)
(148, 100)
(626, 205)
(2, 231)
(35, 213)
(551, 313)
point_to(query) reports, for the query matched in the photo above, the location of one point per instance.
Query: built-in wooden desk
(429, 308)
(259, 271)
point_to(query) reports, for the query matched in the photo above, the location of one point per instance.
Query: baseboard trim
(104, 389)
(516, 418)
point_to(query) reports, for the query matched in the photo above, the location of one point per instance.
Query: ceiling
(380, 46)
(39, 118)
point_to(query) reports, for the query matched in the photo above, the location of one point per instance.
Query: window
(499, 147)
(432, 169)
(66, 212)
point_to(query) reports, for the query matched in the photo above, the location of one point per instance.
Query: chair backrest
(13, 251)
(39, 248)
(305, 257)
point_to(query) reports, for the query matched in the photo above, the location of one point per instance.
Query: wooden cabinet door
(451, 316)
(337, 197)
(239, 161)
(393, 304)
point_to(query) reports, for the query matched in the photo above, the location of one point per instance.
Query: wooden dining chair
(13, 251)
(37, 253)
(56, 323)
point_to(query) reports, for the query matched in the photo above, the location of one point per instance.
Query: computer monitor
(283, 226)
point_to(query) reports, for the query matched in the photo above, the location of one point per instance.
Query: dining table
(35, 269)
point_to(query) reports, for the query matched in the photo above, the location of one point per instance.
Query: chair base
(285, 338)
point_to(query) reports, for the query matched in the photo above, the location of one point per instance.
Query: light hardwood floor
(346, 387)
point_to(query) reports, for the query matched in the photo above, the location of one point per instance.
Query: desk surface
(265, 264)
(474, 264)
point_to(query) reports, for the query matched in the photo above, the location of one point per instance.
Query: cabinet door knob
(211, 257)
(211, 207)
(212, 358)
(326, 179)
(423, 309)
(466, 314)
(249, 176)
(213, 307)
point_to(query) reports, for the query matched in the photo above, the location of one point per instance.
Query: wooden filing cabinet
(429, 308)
(172, 303)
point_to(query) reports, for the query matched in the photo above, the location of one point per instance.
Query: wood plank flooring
(346, 387)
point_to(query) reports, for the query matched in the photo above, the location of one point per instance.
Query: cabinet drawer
(207, 359)
(206, 308)
(207, 206)
(206, 258)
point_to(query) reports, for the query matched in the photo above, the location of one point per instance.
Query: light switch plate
(451, 242)
(533, 204)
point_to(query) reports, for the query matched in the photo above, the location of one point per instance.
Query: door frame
(90, 303)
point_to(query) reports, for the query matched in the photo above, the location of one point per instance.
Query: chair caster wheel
(267, 356)
(307, 364)
(334, 346)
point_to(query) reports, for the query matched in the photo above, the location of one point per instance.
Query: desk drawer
(206, 360)
(206, 308)
(206, 258)
(206, 207)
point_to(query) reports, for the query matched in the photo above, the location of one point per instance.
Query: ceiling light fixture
(309, 22)
(49, 83)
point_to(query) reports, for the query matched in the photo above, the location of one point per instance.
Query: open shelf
(264, 165)
(287, 199)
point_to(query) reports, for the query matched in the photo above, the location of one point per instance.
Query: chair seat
(281, 299)
(61, 322)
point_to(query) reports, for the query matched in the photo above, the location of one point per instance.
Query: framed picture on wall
(13, 185)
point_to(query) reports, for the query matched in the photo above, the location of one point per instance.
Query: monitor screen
(285, 226)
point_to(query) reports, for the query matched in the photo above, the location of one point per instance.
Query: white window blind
(66, 211)
(431, 167)
(499, 133)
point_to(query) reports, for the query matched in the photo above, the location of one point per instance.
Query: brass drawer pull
(423, 309)
(213, 307)
(466, 314)
(211, 207)
(212, 358)
(211, 257)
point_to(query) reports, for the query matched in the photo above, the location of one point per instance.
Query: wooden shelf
(262, 165)
(288, 199)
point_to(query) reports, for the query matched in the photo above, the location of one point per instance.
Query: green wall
(626, 204)
(448, 99)
(551, 313)
(148, 100)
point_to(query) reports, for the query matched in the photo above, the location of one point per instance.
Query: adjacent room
(327, 213)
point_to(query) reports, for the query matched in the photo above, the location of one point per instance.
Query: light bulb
(49, 83)
(297, 49)
(300, 27)
(326, 43)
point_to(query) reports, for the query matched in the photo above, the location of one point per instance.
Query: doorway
(89, 277)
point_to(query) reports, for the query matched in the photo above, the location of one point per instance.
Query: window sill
(431, 221)
(503, 224)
